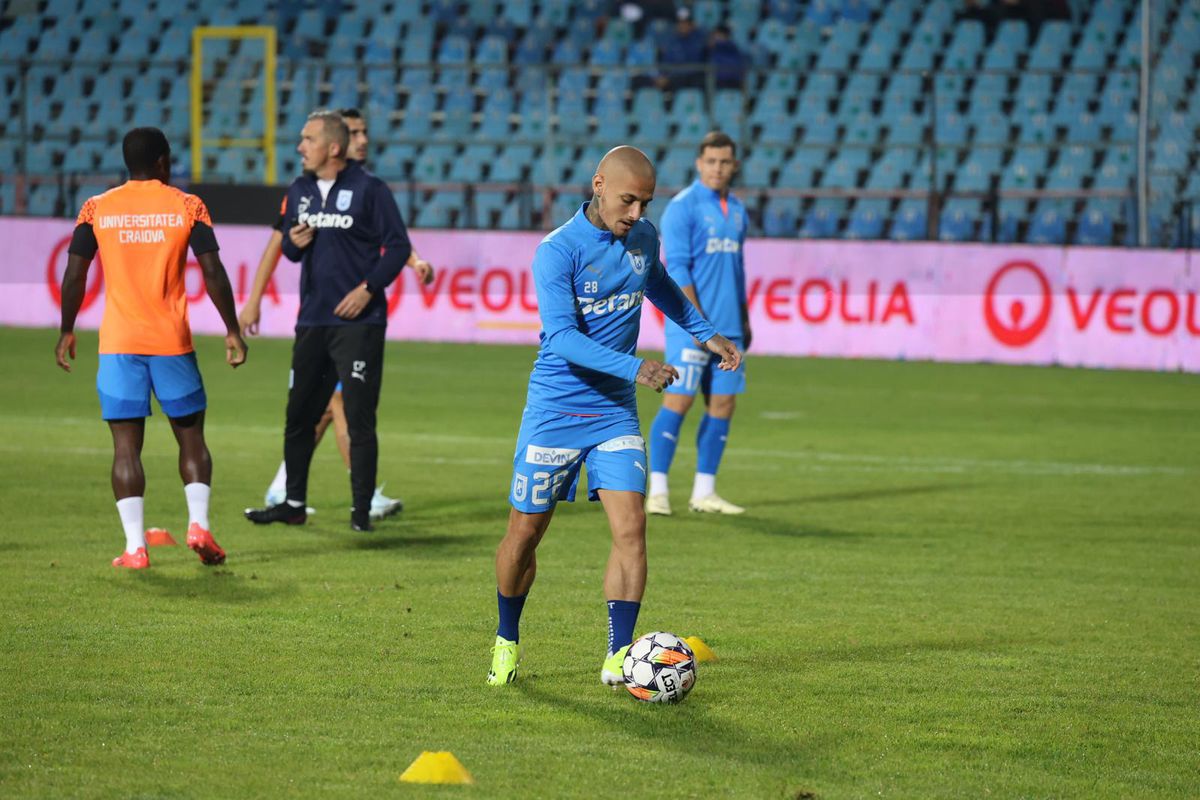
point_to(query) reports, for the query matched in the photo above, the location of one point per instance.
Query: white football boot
(384, 506)
(659, 504)
(714, 504)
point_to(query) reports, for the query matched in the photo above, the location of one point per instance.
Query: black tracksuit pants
(322, 356)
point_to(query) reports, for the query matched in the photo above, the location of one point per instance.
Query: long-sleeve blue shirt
(702, 245)
(590, 287)
(359, 237)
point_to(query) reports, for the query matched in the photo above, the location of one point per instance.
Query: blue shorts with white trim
(698, 368)
(552, 448)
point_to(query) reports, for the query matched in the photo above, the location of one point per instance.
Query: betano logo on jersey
(719, 245)
(324, 220)
(614, 302)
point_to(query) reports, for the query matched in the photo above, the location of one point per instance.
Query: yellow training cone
(440, 767)
(702, 651)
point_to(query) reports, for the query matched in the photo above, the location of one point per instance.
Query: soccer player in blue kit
(703, 233)
(591, 276)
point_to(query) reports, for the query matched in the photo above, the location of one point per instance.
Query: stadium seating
(849, 95)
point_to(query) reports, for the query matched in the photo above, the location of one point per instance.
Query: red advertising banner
(1095, 307)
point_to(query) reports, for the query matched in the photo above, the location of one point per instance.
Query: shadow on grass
(427, 544)
(781, 527)
(665, 726)
(327, 539)
(222, 584)
(867, 494)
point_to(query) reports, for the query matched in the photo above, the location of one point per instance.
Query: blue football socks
(622, 617)
(510, 616)
(710, 444)
(664, 437)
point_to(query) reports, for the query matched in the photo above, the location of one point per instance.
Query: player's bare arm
(216, 282)
(657, 375)
(689, 292)
(74, 284)
(252, 311)
(420, 266)
(727, 350)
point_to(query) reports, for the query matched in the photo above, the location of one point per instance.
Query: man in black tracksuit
(344, 228)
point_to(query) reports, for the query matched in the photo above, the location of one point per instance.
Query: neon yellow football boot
(613, 672)
(506, 656)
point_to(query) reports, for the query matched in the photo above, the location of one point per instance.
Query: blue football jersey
(590, 286)
(702, 245)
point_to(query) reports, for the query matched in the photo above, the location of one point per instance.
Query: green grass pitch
(953, 581)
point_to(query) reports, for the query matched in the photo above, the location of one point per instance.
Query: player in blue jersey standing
(703, 232)
(581, 410)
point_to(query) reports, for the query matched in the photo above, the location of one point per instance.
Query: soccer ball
(659, 668)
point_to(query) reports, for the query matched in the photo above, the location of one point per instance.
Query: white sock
(704, 485)
(197, 500)
(658, 483)
(279, 482)
(132, 511)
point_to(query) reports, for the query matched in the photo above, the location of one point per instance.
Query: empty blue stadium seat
(903, 92)
(1169, 156)
(802, 48)
(468, 166)
(823, 219)
(1033, 92)
(843, 171)
(1036, 128)
(43, 200)
(947, 162)
(550, 167)
(1049, 224)
(574, 79)
(530, 50)
(780, 216)
(1089, 55)
(492, 50)
(509, 166)
(952, 128)
(909, 223)
(856, 10)
(820, 128)
(958, 219)
(989, 92)
(965, 46)
(835, 56)
(1025, 168)
(973, 176)
(863, 129)
(607, 53)
(1095, 228)
(919, 55)
(861, 91)
(867, 219)
(822, 12)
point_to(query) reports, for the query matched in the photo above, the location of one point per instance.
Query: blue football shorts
(552, 447)
(124, 383)
(698, 369)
